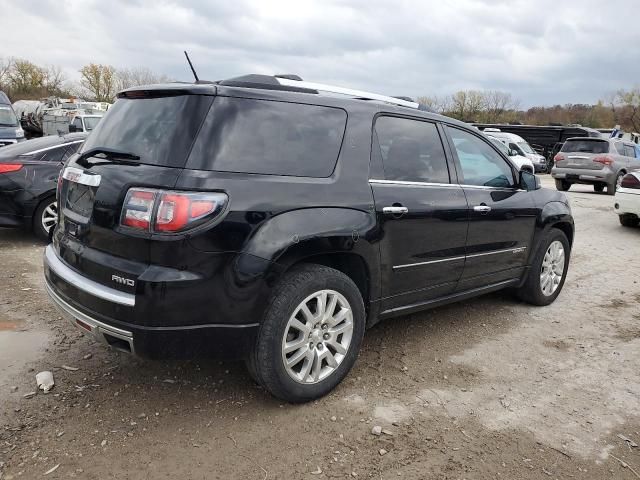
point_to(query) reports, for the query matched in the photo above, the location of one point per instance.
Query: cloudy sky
(542, 51)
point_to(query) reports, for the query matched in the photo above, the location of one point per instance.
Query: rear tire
(294, 327)
(45, 218)
(598, 187)
(563, 185)
(612, 187)
(629, 220)
(545, 268)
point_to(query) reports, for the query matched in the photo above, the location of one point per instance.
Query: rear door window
(481, 165)
(585, 145)
(271, 138)
(620, 148)
(411, 150)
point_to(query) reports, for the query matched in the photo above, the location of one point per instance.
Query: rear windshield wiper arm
(110, 153)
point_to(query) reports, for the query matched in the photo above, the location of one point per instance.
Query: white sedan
(627, 200)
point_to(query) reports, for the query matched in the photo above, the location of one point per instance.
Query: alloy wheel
(49, 216)
(552, 268)
(317, 336)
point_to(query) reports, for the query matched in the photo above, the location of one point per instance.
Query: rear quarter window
(268, 137)
(586, 146)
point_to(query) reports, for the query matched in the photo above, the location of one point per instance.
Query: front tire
(45, 218)
(629, 220)
(548, 270)
(310, 335)
(563, 185)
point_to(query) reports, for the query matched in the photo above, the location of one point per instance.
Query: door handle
(483, 209)
(395, 210)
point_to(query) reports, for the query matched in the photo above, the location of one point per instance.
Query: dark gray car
(592, 161)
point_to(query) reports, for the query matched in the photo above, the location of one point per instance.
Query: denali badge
(123, 281)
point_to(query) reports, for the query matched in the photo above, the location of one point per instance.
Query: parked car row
(29, 174)
(519, 147)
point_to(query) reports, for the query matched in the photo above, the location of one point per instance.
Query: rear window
(271, 138)
(586, 146)
(160, 130)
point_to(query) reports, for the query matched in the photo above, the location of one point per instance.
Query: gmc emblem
(123, 281)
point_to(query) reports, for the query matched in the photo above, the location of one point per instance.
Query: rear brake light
(10, 167)
(160, 211)
(630, 181)
(558, 158)
(138, 208)
(603, 160)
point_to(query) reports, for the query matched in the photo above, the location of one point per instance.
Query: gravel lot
(488, 388)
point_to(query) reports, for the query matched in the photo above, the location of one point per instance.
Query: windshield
(91, 122)
(586, 145)
(525, 147)
(7, 117)
(159, 130)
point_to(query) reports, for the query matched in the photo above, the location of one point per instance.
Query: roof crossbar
(346, 91)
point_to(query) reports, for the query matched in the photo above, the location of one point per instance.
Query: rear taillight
(630, 181)
(10, 167)
(161, 211)
(138, 208)
(604, 160)
(558, 158)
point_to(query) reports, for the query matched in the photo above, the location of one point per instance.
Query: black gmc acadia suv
(262, 218)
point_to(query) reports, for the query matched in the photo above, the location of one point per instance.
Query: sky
(543, 52)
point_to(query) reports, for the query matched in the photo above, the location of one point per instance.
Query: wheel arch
(340, 238)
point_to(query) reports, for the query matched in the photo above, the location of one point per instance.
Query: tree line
(22, 79)
(489, 106)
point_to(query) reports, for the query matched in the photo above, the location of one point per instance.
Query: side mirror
(72, 128)
(528, 181)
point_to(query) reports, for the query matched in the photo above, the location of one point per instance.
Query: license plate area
(78, 194)
(79, 199)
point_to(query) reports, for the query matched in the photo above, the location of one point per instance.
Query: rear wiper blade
(109, 153)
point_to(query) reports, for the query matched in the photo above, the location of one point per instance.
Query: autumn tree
(99, 82)
(25, 77)
(629, 111)
(5, 66)
(54, 80)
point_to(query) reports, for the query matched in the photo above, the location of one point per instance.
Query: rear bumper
(627, 201)
(69, 291)
(579, 175)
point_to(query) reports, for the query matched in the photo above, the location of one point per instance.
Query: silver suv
(592, 161)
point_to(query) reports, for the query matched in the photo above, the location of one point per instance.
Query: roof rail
(346, 91)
